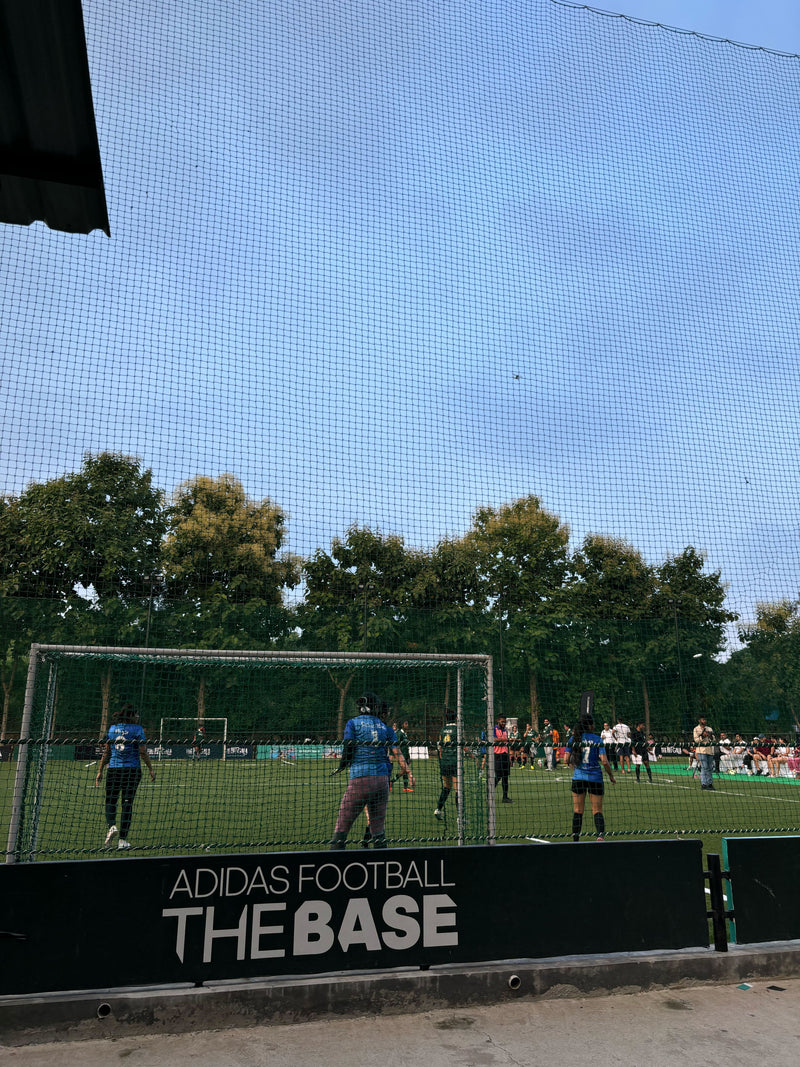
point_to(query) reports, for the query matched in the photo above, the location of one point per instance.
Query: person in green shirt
(448, 765)
(405, 748)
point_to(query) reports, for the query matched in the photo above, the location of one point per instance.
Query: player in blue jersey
(124, 753)
(587, 755)
(368, 741)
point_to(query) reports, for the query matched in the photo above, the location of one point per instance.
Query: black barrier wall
(764, 875)
(120, 922)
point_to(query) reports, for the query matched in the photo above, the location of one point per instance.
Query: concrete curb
(87, 1015)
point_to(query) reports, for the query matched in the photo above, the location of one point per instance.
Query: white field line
(706, 890)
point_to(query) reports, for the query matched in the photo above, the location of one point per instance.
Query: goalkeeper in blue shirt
(368, 741)
(124, 752)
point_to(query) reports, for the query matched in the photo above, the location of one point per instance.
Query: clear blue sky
(388, 263)
(769, 23)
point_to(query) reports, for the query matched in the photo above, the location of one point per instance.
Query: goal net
(191, 738)
(273, 730)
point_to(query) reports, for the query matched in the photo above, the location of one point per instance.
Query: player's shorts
(581, 787)
(624, 750)
(448, 770)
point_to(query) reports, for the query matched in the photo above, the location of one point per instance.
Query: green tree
(100, 528)
(224, 571)
(764, 675)
(690, 620)
(360, 597)
(88, 545)
(15, 634)
(608, 597)
(519, 554)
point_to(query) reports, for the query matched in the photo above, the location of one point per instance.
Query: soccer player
(368, 740)
(502, 763)
(622, 738)
(586, 753)
(124, 752)
(405, 747)
(198, 741)
(642, 752)
(548, 742)
(607, 737)
(448, 765)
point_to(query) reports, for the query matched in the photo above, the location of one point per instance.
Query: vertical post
(44, 754)
(22, 758)
(491, 828)
(685, 725)
(460, 755)
(19, 778)
(717, 910)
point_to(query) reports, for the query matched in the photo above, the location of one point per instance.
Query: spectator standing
(703, 737)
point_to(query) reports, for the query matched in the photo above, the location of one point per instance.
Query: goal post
(275, 722)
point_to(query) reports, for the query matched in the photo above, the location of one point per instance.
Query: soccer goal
(274, 727)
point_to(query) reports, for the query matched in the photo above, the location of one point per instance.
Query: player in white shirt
(607, 737)
(622, 737)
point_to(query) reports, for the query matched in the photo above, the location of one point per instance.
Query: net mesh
(421, 328)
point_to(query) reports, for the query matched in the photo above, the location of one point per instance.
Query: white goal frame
(47, 656)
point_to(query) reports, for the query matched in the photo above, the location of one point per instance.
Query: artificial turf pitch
(269, 806)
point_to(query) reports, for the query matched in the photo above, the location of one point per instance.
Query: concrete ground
(653, 1010)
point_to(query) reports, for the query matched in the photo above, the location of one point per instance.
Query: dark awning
(50, 166)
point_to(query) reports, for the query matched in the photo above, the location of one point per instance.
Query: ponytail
(586, 722)
(576, 749)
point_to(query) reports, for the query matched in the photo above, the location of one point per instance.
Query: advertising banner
(116, 922)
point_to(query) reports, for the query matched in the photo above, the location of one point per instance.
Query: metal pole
(491, 827)
(460, 755)
(717, 910)
(22, 758)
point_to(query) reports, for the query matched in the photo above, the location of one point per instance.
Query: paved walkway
(708, 1025)
(701, 1025)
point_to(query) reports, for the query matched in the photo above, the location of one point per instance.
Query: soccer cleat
(438, 814)
(111, 831)
(122, 843)
(600, 837)
(506, 800)
(407, 790)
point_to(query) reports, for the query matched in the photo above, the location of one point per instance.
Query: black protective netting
(421, 327)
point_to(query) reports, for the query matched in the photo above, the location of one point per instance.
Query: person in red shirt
(502, 762)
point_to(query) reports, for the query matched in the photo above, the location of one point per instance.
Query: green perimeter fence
(274, 790)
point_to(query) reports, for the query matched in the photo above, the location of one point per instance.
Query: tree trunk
(343, 689)
(447, 693)
(646, 699)
(8, 685)
(105, 691)
(534, 703)
(201, 701)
